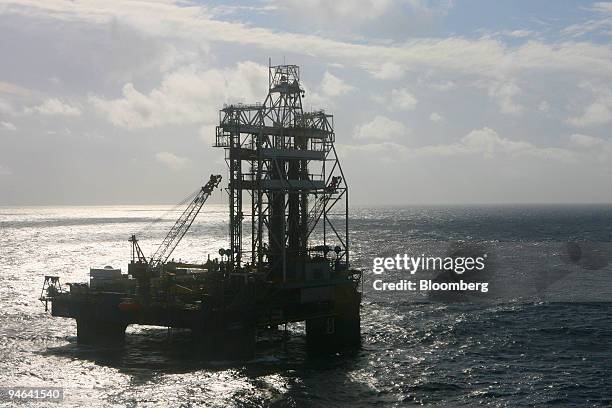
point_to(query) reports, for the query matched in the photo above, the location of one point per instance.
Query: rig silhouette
(288, 255)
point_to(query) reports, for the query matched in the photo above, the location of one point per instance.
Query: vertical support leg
(341, 331)
(95, 331)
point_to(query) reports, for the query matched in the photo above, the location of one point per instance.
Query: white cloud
(170, 91)
(484, 142)
(585, 141)
(333, 86)
(436, 117)
(544, 106)
(5, 171)
(599, 25)
(520, 33)
(441, 86)
(7, 108)
(323, 95)
(381, 128)
(55, 107)
(402, 99)
(7, 126)
(384, 151)
(348, 15)
(592, 148)
(9, 88)
(351, 12)
(597, 112)
(171, 160)
(207, 133)
(602, 7)
(187, 95)
(484, 56)
(503, 94)
(386, 70)
(488, 142)
(437, 84)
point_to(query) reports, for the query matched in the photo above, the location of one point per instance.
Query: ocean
(541, 335)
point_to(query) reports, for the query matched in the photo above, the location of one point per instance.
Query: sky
(434, 101)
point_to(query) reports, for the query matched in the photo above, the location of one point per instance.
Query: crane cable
(187, 199)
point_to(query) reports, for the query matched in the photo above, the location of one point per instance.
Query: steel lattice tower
(285, 159)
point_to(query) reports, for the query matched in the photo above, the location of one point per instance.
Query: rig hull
(224, 327)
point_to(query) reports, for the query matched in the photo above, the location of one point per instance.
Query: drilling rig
(288, 254)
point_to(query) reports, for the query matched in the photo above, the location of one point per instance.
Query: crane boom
(180, 227)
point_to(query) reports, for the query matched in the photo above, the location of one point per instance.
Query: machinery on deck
(288, 255)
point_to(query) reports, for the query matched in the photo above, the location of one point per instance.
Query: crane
(178, 230)
(180, 227)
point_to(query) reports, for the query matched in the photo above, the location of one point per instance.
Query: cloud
(488, 142)
(519, 33)
(5, 171)
(171, 160)
(348, 15)
(544, 106)
(585, 141)
(441, 86)
(599, 111)
(602, 7)
(485, 57)
(185, 89)
(7, 108)
(334, 86)
(599, 25)
(402, 99)
(381, 128)
(8, 88)
(7, 126)
(323, 95)
(187, 95)
(592, 147)
(596, 113)
(484, 142)
(207, 133)
(386, 70)
(55, 107)
(436, 117)
(322, 12)
(223, 10)
(503, 94)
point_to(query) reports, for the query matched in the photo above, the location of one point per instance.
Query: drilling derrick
(283, 158)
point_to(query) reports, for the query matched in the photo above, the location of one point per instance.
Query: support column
(94, 331)
(343, 330)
